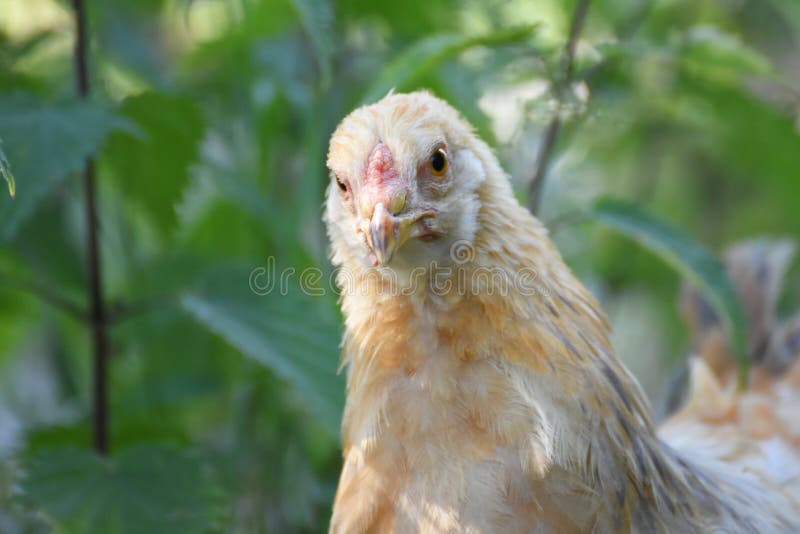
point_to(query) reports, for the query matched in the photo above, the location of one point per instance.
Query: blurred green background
(209, 121)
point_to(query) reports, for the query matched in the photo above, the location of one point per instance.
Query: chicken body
(482, 391)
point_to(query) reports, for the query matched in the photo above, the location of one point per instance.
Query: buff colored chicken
(482, 392)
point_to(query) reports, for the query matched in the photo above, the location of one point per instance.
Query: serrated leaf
(47, 142)
(293, 334)
(152, 169)
(141, 490)
(412, 65)
(689, 258)
(5, 171)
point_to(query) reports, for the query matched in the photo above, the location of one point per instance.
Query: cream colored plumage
(498, 405)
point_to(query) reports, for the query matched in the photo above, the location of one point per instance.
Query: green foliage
(5, 172)
(152, 165)
(411, 67)
(285, 328)
(208, 124)
(317, 21)
(48, 142)
(711, 52)
(142, 490)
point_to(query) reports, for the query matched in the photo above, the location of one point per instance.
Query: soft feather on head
(405, 174)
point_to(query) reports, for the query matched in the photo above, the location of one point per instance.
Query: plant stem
(553, 127)
(97, 311)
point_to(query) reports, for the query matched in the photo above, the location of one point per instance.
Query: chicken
(759, 429)
(756, 268)
(482, 392)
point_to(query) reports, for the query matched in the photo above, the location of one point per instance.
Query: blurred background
(207, 122)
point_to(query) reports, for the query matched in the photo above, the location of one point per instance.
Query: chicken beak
(387, 233)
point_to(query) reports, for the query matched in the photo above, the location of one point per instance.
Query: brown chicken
(482, 392)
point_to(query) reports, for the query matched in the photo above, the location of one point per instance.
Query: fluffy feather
(485, 410)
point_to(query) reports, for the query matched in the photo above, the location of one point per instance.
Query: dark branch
(553, 127)
(97, 312)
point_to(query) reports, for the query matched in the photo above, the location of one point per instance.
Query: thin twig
(553, 127)
(45, 293)
(97, 311)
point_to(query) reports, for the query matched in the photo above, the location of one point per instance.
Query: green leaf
(789, 10)
(402, 20)
(294, 334)
(410, 68)
(18, 515)
(751, 138)
(14, 51)
(686, 256)
(5, 171)
(125, 32)
(153, 169)
(712, 53)
(144, 489)
(317, 19)
(47, 142)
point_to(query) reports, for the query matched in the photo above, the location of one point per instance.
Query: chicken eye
(438, 162)
(340, 183)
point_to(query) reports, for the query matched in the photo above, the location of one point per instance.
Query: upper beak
(387, 233)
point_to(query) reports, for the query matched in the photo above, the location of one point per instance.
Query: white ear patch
(468, 174)
(468, 170)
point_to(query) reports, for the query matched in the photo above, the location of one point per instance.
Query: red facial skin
(382, 182)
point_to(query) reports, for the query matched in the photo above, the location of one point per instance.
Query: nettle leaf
(295, 334)
(410, 68)
(47, 142)
(5, 172)
(152, 169)
(143, 489)
(702, 268)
